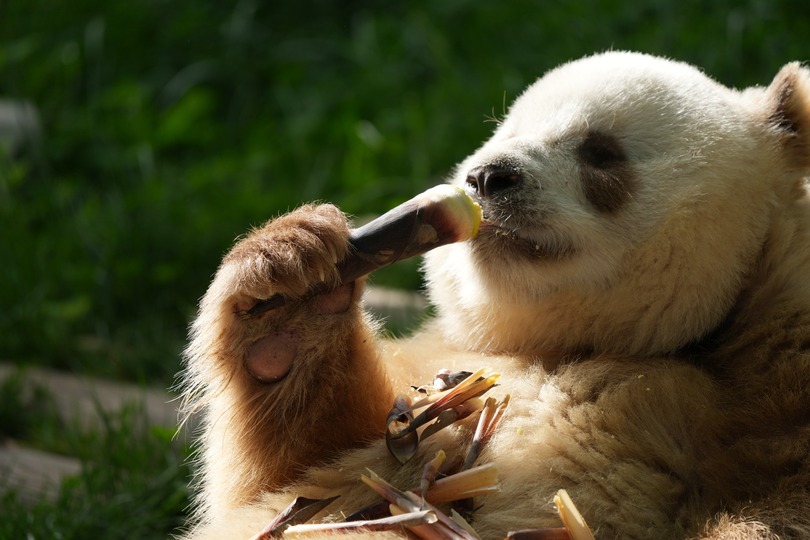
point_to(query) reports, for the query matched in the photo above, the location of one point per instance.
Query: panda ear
(788, 102)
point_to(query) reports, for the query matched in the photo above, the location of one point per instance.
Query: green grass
(170, 127)
(132, 486)
(133, 479)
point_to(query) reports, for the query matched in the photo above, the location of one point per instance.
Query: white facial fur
(652, 272)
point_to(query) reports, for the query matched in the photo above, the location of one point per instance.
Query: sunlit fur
(658, 365)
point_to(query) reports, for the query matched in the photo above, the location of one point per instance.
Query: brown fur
(667, 390)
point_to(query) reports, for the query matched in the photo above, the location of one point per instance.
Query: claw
(454, 404)
(399, 418)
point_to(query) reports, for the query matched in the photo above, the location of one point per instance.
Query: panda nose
(490, 180)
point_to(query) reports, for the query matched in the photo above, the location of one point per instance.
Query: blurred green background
(168, 128)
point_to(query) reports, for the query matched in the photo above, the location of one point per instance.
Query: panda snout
(493, 179)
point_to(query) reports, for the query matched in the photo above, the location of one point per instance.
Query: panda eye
(601, 151)
(606, 175)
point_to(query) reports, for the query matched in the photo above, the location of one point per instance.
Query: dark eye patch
(600, 150)
(605, 172)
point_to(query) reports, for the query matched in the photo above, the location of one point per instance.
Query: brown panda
(640, 282)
